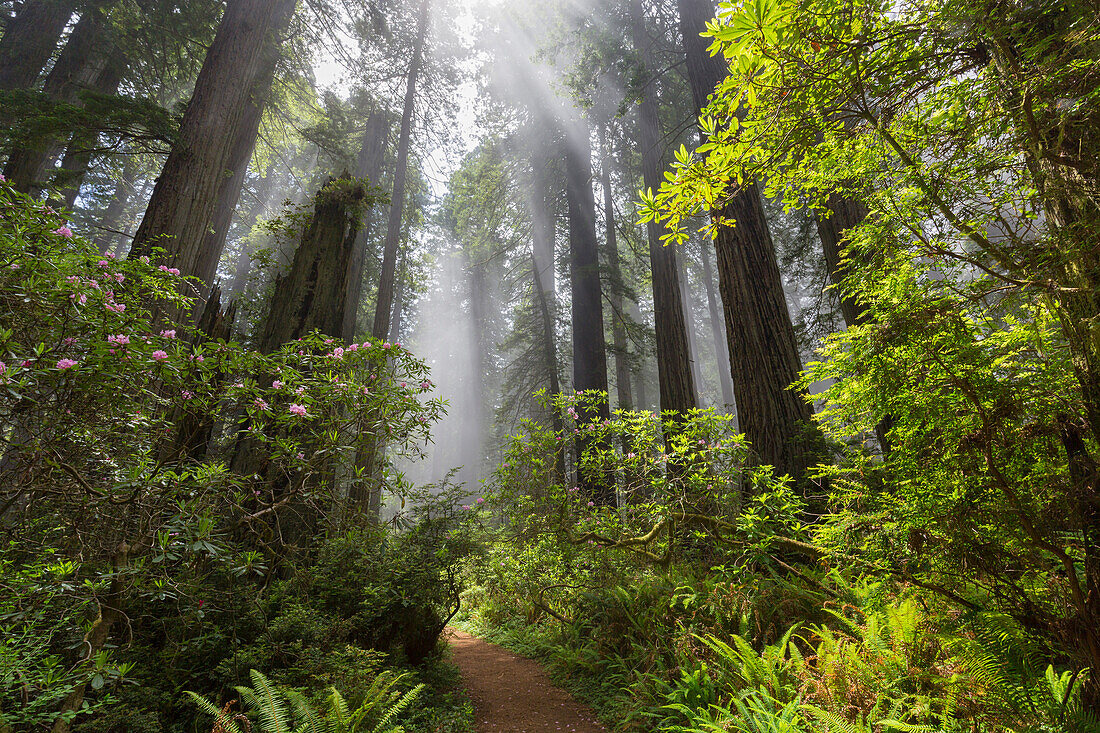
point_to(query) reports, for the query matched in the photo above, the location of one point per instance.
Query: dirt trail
(512, 694)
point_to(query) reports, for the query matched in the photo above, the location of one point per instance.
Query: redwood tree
(30, 39)
(384, 306)
(589, 346)
(677, 384)
(763, 351)
(182, 208)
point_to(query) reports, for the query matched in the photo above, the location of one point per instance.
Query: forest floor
(512, 694)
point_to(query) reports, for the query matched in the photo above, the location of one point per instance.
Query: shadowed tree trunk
(372, 155)
(30, 39)
(589, 347)
(543, 239)
(310, 296)
(845, 213)
(78, 154)
(689, 317)
(718, 332)
(182, 208)
(615, 277)
(112, 215)
(763, 351)
(240, 155)
(384, 306)
(677, 384)
(73, 71)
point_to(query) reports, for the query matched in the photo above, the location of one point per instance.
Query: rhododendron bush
(140, 458)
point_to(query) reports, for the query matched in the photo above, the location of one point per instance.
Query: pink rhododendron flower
(276, 384)
(385, 346)
(3, 367)
(169, 334)
(66, 364)
(63, 232)
(173, 271)
(296, 409)
(187, 394)
(119, 340)
(160, 355)
(259, 403)
(103, 263)
(115, 307)
(82, 299)
(338, 353)
(14, 266)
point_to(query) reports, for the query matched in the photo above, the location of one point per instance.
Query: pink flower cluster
(296, 409)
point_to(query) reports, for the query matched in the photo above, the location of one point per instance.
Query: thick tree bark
(763, 351)
(194, 428)
(677, 384)
(74, 70)
(240, 155)
(543, 240)
(844, 213)
(689, 319)
(182, 208)
(372, 155)
(718, 331)
(311, 295)
(614, 272)
(78, 155)
(384, 306)
(30, 39)
(589, 346)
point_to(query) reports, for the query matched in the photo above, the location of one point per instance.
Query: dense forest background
(740, 361)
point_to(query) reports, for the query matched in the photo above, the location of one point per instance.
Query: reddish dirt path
(512, 694)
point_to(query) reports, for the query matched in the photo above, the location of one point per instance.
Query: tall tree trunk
(372, 156)
(73, 71)
(543, 240)
(615, 277)
(384, 306)
(844, 213)
(240, 156)
(689, 317)
(677, 384)
(78, 155)
(112, 215)
(763, 351)
(718, 332)
(310, 296)
(29, 40)
(589, 347)
(399, 295)
(182, 208)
